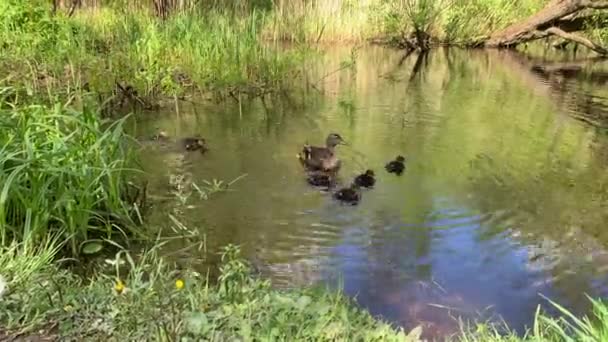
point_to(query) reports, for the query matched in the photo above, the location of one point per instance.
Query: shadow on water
(503, 197)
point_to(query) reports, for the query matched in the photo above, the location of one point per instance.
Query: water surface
(503, 198)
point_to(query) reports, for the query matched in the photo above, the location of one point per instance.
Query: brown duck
(317, 158)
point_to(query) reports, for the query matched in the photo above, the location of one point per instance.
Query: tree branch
(580, 23)
(577, 39)
(595, 4)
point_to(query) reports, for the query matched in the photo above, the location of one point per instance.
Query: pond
(503, 198)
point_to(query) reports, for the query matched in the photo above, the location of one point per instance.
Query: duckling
(350, 195)
(322, 158)
(366, 179)
(320, 179)
(396, 166)
(195, 143)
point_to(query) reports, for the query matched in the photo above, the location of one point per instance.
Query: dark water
(504, 197)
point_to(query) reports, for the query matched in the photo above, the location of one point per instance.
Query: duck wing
(320, 153)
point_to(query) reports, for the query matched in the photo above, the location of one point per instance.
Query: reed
(64, 173)
(215, 50)
(227, 47)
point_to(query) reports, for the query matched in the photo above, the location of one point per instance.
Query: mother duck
(317, 158)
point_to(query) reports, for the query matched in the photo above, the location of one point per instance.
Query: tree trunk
(557, 18)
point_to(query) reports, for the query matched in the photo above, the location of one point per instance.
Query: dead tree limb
(578, 39)
(557, 18)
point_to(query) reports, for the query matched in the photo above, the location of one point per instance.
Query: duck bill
(342, 142)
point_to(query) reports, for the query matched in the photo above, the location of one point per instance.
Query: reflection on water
(503, 197)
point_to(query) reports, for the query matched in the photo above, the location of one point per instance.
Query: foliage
(156, 303)
(467, 20)
(62, 172)
(215, 50)
(148, 300)
(546, 328)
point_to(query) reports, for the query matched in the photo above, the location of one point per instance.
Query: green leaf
(92, 247)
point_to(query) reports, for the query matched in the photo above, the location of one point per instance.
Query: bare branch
(595, 4)
(557, 18)
(577, 39)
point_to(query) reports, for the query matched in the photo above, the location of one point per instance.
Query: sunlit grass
(62, 172)
(565, 327)
(214, 50)
(143, 297)
(450, 21)
(140, 297)
(323, 21)
(219, 47)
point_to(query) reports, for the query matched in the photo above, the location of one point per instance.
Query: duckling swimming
(396, 166)
(366, 179)
(320, 179)
(350, 195)
(322, 158)
(194, 144)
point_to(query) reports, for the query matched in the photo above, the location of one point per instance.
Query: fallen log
(558, 18)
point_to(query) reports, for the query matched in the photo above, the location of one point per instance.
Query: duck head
(333, 140)
(400, 159)
(370, 173)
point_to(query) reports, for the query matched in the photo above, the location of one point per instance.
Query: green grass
(45, 299)
(151, 307)
(191, 51)
(567, 328)
(220, 47)
(63, 172)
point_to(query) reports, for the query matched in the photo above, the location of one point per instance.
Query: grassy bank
(148, 299)
(46, 54)
(447, 21)
(224, 48)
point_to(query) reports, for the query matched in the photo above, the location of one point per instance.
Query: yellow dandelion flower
(179, 284)
(119, 286)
